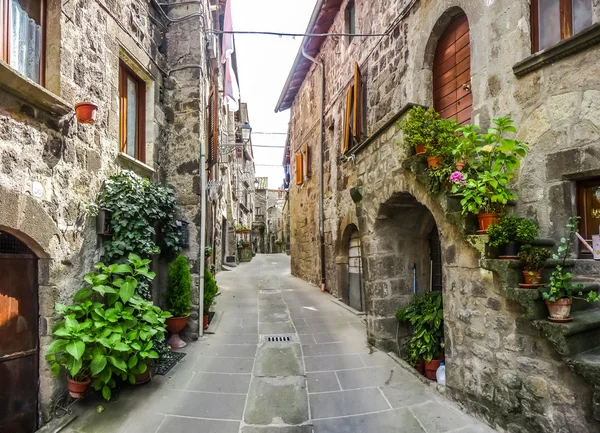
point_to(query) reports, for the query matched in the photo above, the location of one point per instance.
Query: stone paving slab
(407, 394)
(199, 405)
(343, 403)
(192, 425)
(272, 429)
(377, 358)
(349, 334)
(333, 362)
(235, 339)
(279, 359)
(277, 328)
(399, 421)
(227, 350)
(212, 364)
(323, 382)
(277, 401)
(335, 348)
(217, 382)
(439, 418)
(375, 376)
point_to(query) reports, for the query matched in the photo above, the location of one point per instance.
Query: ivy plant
(109, 330)
(142, 220)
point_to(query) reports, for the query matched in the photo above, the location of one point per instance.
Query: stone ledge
(32, 93)
(133, 164)
(573, 45)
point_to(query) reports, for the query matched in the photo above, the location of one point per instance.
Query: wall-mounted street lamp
(256, 183)
(246, 133)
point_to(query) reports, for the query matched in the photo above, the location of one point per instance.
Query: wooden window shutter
(213, 127)
(348, 118)
(299, 169)
(358, 91)
(307, 162)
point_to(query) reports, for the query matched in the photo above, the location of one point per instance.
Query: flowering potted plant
(485, 188)
(533, 260)
(419, 128)
(559, 297)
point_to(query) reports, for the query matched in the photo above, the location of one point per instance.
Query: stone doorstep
(348, 307)
(58, 424)
(409, 368)
(214, 323)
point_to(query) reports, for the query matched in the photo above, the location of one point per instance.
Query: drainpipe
(202, 233)
(321, 174)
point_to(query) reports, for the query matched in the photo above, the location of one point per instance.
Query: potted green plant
(241, 229)
(467, 142)
(211, 291)
(425, 313)
(419, 128)
(444, 141)
(484, 189)
(533, 260)
(509, 233)
(178, 299)
(559, 296)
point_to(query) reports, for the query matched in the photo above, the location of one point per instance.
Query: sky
(264, 63)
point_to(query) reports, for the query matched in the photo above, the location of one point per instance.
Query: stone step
(587, 365)
(577, 336)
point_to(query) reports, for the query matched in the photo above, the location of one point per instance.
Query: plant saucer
(530, 286)
(560, 320)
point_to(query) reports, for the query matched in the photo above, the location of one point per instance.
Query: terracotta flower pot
(533, 278)
(420, 149)
(86, 112)
(143, 378)
(460, 165)
(485, 220)
(560, 310)
(420, 367)
(205, 321)
(431, 368)
(434, 161)
(175, 325)
(77, 389)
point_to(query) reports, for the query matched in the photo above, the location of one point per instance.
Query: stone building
(268, 218)
(381, 227)
(140, 60)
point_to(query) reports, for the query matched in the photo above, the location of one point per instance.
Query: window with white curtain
(23, 43)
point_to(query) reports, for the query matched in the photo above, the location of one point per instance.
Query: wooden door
(18, 337)
(452, 96)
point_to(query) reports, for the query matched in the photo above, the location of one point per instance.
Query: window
(350, 20)
(307, 162)
(555, 20)
(588, 208)
(22, 38)
(299, 171)
(132, 91)
(353, 118)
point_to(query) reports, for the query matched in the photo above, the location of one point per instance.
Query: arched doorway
(18, 336)
(452, 96)
(355, 295)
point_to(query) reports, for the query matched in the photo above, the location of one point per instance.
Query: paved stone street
(326, 378)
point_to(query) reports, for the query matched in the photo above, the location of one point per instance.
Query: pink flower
(457, 177)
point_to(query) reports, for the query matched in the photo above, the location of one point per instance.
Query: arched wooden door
(18, 336)
(355, 273)
(452, 96)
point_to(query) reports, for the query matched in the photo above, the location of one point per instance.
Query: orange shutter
(213, 126)
(347, 118)
(358, 91)
(299, 171)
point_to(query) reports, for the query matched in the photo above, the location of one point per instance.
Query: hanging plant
(142, 220)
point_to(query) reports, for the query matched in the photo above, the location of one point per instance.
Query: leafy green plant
(445, 139)
(561, 285)
(108, 333)
(419, 127)
(241, 228)
(211, 291)
(533, 259)
(512, 229)
(179, 287)
(141, 211)
(467, 143)
(425, 313)
(494, 160)
(208, 252)
(438, 178)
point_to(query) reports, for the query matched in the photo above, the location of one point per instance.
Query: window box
(567, 47)
(34, 94)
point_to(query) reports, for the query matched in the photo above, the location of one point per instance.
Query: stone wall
(498, 364)
(40, 141)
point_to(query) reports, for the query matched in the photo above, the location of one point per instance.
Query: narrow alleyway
(231, 382)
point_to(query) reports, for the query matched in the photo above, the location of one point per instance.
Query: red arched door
(452, 96)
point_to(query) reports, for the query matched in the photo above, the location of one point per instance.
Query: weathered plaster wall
(497, 363)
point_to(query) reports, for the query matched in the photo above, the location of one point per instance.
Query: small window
(307, 162)
(132, 119)
(555, 20)
(588, 208)
(22, 39)
(350, 20)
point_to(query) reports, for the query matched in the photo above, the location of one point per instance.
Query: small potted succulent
(425, 313)
(560, 293)
(178, 299)
(533, 260)
(509, 233)
(419, 128)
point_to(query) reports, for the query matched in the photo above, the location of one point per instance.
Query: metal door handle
(466, 87)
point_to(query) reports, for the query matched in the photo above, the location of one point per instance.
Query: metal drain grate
(278, 338)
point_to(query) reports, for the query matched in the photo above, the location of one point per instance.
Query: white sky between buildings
(264, 63)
